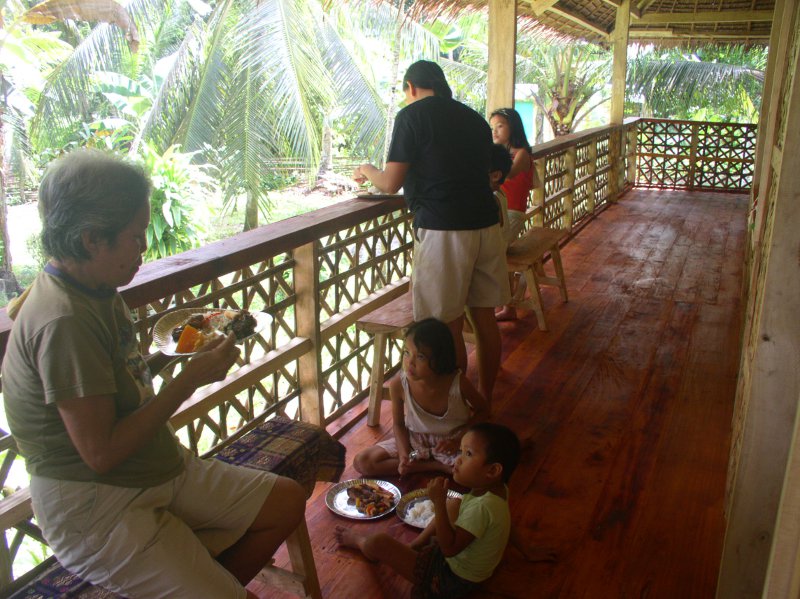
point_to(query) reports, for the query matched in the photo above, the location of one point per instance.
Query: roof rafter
(669, 32)
(634, 10)
(580, 20)
(731, 16)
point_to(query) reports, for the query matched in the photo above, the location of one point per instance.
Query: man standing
(440, 155)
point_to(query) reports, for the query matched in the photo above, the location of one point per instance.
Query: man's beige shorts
(453, 269)
(154, 542)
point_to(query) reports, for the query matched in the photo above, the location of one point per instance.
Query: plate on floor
(341, 501)
(412, 505)
(162, 331)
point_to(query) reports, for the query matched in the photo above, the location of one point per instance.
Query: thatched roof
(661, 22)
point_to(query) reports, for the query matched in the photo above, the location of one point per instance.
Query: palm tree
(711, 82)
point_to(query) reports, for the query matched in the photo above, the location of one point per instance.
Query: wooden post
(633, 142)
(591, 184)
(619, 41)
(762, 539)
(502, 54)
(571, 159)
(695, 140)
(538, 196)
(306, 285)
(615, 164)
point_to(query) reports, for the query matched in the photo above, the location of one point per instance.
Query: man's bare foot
(506, 313)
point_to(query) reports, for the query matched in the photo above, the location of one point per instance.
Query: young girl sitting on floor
(433, 404)
(471, 533)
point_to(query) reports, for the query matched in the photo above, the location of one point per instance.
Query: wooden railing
(696, 155)
(316, 274)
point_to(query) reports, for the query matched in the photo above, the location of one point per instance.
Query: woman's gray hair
(88, 190)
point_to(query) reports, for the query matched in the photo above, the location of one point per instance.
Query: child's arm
(401, 436)
(481, 412)
(521, 162)
(452, 539)
(423, 537)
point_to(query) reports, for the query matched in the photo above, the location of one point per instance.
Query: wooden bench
(526, 255)
(298, 450)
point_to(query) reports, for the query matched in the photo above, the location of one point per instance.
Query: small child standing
(499, 169)
(433, 404)
(470, 534)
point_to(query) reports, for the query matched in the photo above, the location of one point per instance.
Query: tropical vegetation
(212, 94)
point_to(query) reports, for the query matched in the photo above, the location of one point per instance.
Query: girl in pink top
(507, 130)
(433, 404)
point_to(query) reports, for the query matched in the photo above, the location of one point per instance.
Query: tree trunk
(251, 211)
(395, 73)
(539, 125)
(326, 160)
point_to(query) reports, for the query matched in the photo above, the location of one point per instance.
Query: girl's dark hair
(502, 446)
(88, 190)
(428, 75)
(501, 161)
(517, 139)
(434, 336)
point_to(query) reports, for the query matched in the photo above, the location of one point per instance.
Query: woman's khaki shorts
(155, 542)
(453, 269)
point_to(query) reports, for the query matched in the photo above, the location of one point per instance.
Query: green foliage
(713, 83)
(182, 191)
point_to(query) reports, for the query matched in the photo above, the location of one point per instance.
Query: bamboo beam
(583, 21)
(616, 3)
(619, 40)
(730, 16)
(540, 6)
(502, 54)
(669, 32)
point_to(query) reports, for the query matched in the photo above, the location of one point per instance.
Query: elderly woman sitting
(120, 501)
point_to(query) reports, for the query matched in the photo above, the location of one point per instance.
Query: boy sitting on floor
(470, 534)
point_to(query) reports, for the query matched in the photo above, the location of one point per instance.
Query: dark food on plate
(202, 327)
(370, 500)
(242, 324)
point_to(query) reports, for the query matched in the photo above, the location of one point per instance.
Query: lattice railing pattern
(695, 155)
(364, 258)
(354, 257)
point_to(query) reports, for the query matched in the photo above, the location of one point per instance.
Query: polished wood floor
(627, 401)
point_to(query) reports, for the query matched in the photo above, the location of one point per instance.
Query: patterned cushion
(287, 447)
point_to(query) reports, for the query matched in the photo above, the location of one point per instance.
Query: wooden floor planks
(626, 402)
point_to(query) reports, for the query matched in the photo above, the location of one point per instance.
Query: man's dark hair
(502, 446)
(428, 75)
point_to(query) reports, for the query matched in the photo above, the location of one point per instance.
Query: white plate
(162, 332)
(408, 501)
(336, 498)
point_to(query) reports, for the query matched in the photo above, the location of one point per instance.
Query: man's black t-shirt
(448, 147)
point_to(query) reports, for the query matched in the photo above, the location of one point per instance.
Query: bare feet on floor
(506, 313)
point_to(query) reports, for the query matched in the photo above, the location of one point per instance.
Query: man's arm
(388, 180)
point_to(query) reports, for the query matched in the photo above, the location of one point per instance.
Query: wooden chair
(526, 255)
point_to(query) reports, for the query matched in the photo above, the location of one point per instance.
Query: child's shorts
(433, 578)
(424, 443)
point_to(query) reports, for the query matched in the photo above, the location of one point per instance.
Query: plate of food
(416, 509)
(182, 332)
(362, 498)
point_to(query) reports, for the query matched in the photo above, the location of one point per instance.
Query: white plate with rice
(416, 508)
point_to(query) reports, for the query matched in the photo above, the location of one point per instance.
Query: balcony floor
(627, 401)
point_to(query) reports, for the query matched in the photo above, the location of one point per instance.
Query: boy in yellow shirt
(470, 533)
